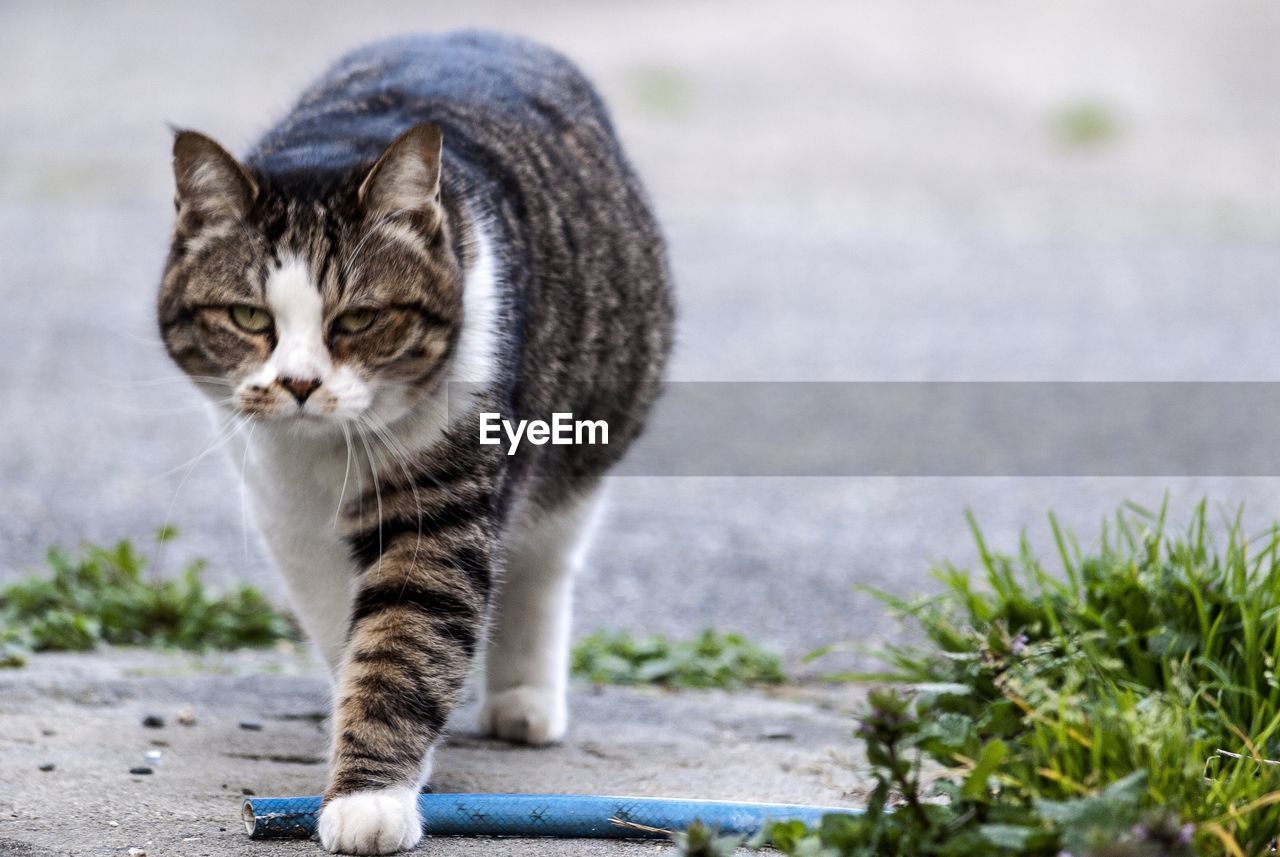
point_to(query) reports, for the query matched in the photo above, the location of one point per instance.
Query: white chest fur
(296, 489)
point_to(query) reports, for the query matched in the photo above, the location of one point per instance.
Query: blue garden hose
(566, 816)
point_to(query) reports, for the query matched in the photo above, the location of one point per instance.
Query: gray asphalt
(852, 191)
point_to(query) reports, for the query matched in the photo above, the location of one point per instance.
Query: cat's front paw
(526, 715)
(371, 822)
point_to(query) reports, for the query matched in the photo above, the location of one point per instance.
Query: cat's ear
(211, 184)
(406, 177)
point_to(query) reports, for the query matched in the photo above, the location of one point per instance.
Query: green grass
(1087, 709)
(101, 595)
(660, 91)
(712, 660)
(1085, 125)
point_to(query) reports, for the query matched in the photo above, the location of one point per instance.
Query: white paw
(373, 822)
(526, 715)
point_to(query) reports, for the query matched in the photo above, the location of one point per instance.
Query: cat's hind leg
(527, 662)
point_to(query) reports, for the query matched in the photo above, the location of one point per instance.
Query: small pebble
(141, 769)
(153, 721)
(153, 756)
(186, 715)
(47, 766)
(777, 733)
(47, 732)
(251, 725)
(137, 852)
(248, 792)
(113, 824)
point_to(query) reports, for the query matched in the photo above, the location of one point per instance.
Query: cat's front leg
(417, 618)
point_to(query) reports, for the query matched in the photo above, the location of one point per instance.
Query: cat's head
(312, 300)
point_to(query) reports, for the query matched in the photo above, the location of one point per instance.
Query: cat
(443, 226)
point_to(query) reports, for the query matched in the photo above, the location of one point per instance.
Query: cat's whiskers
(129, 383)
(346, 473)
(220, 440)
(377, 491)
(394, 446)
(165, 412)
(187, 406)
(401, 457)
(390, 438)
(223, 433)
(244, 496)
(150, 340)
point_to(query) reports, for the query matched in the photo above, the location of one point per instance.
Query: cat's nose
(301, 388)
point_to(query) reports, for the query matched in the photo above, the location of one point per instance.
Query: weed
(1085, 125)
(702, 841)
(712, 660)
(660, 91)
(101, 596)
(1125, 706)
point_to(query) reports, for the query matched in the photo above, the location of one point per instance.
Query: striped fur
(442, 225)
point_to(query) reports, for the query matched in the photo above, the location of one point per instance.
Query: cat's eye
(354, 321)
(251, 318)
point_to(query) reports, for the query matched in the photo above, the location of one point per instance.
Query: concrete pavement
(83, 715)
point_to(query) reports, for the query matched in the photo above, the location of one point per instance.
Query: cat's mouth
(292, 416)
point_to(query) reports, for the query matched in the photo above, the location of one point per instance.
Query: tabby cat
(443, 226)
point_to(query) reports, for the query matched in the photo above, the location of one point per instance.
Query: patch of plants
(102, 595)
(711, 660)
(1124, 703)
(1085, 124)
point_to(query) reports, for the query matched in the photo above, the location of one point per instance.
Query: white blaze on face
(297, 308)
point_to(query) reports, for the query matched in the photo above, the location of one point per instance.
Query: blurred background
(989, 190)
